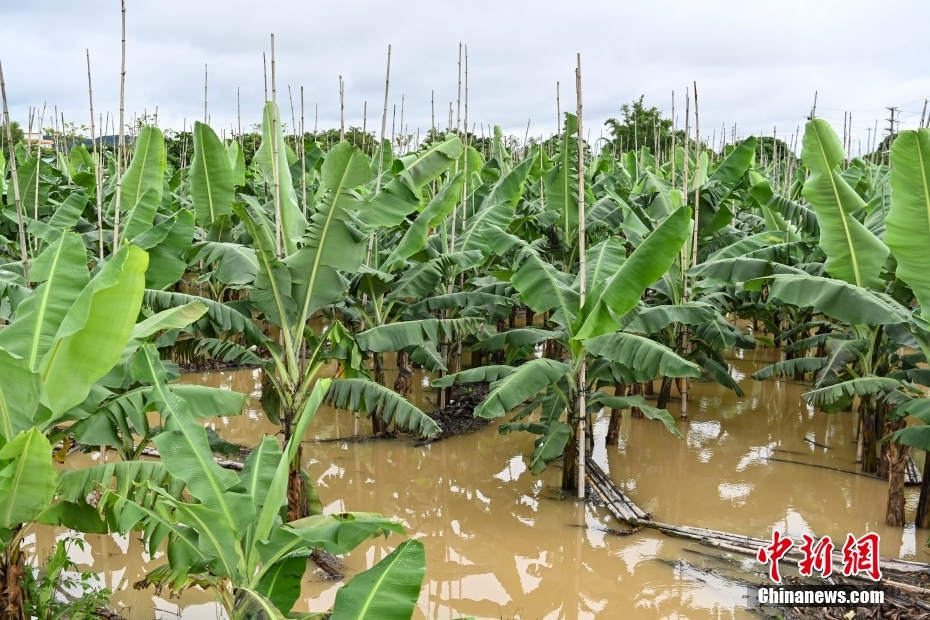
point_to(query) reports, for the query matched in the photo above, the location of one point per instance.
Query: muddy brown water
(502, 543)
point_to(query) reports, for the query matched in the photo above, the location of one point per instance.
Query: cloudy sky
(756, 64)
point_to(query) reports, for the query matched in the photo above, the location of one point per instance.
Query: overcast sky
(757, 64)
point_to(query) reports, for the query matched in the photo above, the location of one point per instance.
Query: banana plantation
(293, 375)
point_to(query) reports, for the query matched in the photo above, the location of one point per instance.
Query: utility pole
(892, 110)
(891, 126)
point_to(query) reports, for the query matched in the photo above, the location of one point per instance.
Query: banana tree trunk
(923, 504)
(616, 416)
(298, 500)
(897, 460)
(11, 582)
(869, 436)
(378, 426)
(404, 373)
(637, 390)
(665, 392)
(570, 463)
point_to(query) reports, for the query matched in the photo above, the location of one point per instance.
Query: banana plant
(308, 275)
(227, 531)
(66, 335)
(586, 332)
(863, 362)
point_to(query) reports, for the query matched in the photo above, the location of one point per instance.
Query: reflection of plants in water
(58, 590)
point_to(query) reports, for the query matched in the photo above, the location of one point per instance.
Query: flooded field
(501, 543)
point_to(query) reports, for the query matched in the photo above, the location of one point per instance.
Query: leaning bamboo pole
(17, 199)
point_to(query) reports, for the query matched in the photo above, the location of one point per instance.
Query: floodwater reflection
(502, 543)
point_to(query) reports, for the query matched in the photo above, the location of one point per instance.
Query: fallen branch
(818, 444)
(829, 467)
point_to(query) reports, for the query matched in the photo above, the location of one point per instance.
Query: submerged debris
(458, 416)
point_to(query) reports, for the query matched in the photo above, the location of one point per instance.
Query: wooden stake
(458, 102)
(432, 110)
(239, 116)
(122, 131)
(674, 131)
(582, 287)
(205, 93)
(364, 124)
(303, 156)
(265, 70)
(275, 128)
(342, 110)
(15, 182)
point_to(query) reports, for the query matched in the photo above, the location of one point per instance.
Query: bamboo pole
(239, 116)
(276, 177)
(364, 124)
(342, 110)
(674, 131)
(35, 240)
(683, 334)
(432, 110)
(387, 88)
(582, 372)
(265, 71)
(17, 199)
(121, 148)
(458, 103)
(205, 116)
(303, 156)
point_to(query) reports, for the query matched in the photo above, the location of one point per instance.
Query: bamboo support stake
(683, 334)
(290, 99)
(205, 116)
(265, 71)
(582, 372)
(239, 116)
(674, 131)
(342, 110)
(35, 240)
(275, 125)
(122, 132)
(432, 110)
(303, 156)
(458, 104)
(923, 114)
(364, 124)
(15, 182)
(387, 88)
(558, 111)
(458, 349)
(465, 158)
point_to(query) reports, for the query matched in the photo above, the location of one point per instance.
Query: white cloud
(756, 64)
